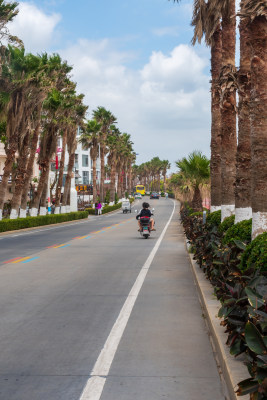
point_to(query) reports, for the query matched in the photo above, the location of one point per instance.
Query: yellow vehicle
(140, 189)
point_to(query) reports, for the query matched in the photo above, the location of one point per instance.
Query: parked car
(154, 195)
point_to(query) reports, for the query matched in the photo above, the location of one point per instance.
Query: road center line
(96, 382)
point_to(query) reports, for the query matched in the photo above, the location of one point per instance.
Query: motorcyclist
(145, 212)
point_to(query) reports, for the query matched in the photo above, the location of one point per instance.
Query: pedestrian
(99, 208)
(53, 207)
(96, 210)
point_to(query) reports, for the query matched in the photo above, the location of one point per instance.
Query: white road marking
(95, 384)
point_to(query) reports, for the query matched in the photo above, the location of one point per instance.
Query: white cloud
(34, 27)
(165, 105)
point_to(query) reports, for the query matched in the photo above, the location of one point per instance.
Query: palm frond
(253, 9)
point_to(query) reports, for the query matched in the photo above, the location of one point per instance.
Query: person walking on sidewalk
(96, 210)
(99, 208)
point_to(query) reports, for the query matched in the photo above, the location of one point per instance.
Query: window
(84, 160)
(76, 161)
(85, 178)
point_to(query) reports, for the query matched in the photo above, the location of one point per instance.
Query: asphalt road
(90, 310)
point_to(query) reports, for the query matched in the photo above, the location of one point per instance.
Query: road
(91, 310)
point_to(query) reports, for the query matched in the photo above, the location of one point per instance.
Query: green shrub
(255, 254)
(240, 231)
(91, 211)
(116, 198)
(108, 209)
(30, 222)
(214, 218)
(105, 209)
(196, 214)
(107, 197)
(226, 224)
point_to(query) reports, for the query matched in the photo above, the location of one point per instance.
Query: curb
(232, 369)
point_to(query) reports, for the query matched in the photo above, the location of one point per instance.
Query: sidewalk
(165, 352)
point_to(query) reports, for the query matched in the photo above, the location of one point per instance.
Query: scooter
(145, 226)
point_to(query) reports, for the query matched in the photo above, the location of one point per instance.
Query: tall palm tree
(90, 139)
(77, 112)
(48, 144)
(20, 80)
(45, 67)
(243, 208)
(106, 119)
(207, 21)
(228, 85)
(195, 168)
(114, 146)
(255, 12)
(7, 13)
(165, 166)
(56, 69)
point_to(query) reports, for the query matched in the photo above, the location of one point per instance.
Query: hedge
(227, 223)
(214, 218)
(255, 255)
(240, 231)
(30, 222)
(105, 209)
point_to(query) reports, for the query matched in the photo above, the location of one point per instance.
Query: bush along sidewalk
(30, 222)
(105, 209)
(237, 269)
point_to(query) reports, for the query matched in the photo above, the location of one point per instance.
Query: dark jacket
(145, 212)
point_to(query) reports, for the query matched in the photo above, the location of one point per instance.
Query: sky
(134, 58)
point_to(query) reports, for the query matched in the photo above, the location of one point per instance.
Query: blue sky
(134, 58)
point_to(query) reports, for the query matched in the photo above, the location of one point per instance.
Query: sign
(84, 188)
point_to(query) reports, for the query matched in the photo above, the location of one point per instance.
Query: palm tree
(114, 146)
(243, 208)
(7, 13)
(77, 112)
(59, 180)
(206, 20)
(90, 139)
(195, 168)
(56, 69)
(20, 80)
(51, 123)
(106, 119)
(45, 67)
(255, 13)
(228, 85)
(165, 166)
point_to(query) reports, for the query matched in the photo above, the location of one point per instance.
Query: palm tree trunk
(42, 181)
(66, 194)
(44, 197)
(258, 41)
(197, 200)
(20, 178)
(94, 181)
(102, 172)
(61, 173)
(10, 155)
(119, 183)
(228, 121)
(215, 145)
(29, 170)
(112, 181)
(243, 159)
